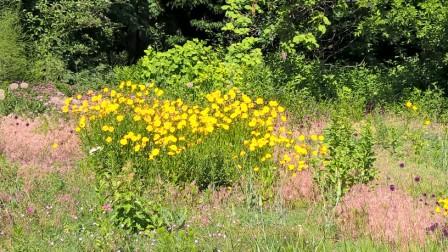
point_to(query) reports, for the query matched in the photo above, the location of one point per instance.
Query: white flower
(95, 149)
(24, 85)
(13, 86)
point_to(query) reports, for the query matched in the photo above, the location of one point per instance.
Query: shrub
(13, 62)
(350, 159)
(390, 138)
(366, 83)
(292, 73)
(128, 209)
(132, 73)
(48, 67)
(349, 104)
(69, 34)
(89, 78)
(229, 136)
(194, 69)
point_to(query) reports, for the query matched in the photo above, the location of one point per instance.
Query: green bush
(195, 68)
(366, 83)
(126, 207)
(89, 78)
(13, 62)
(349, 104)
(70, 82)
(48, 67)
(68, 34)
(350, 161)
(295, 72)
(132, 73)
(292, 72)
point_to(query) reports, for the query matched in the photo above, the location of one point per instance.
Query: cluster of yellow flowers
(442, 207)
(135, 118)
(410, 105)
(413, 107)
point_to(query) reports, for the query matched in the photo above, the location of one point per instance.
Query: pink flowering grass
(37, 152)
(301, 185)
(386, 214)
(298, 187)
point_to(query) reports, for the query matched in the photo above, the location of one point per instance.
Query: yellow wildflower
(273, 103)
(123, 141)
(120, 118)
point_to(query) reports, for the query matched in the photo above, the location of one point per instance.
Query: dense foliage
(399, 44)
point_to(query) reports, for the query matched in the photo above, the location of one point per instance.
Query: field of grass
(59, 193)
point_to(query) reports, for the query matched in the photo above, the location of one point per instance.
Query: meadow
(129, 169)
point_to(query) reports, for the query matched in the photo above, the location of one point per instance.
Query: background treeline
(379, 49)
